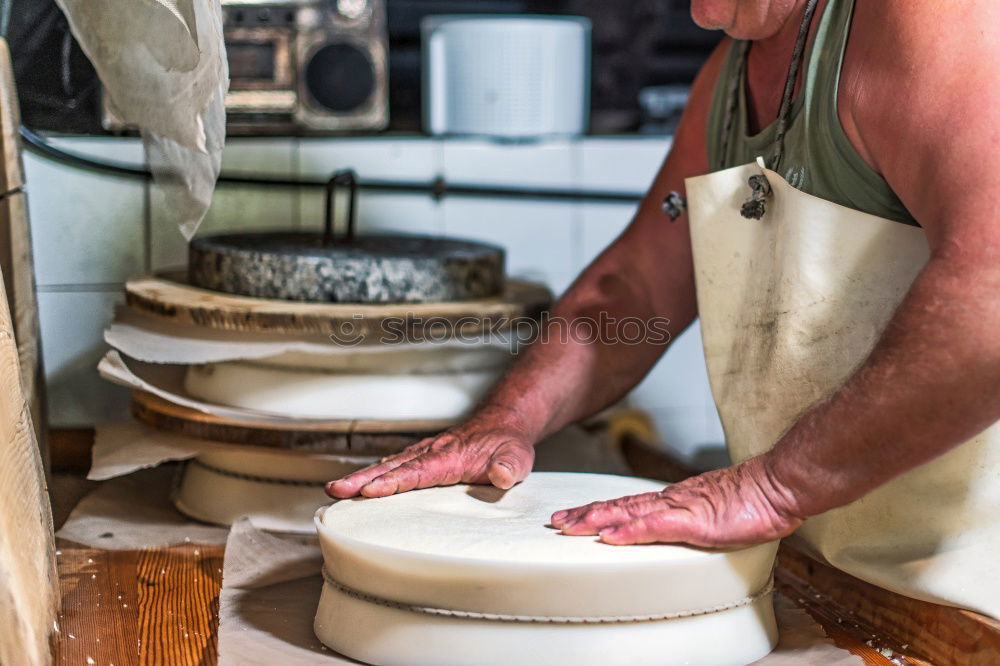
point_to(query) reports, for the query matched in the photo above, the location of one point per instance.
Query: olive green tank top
(817, 158)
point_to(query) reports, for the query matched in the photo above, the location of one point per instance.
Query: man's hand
(738, 506)
(486, 450)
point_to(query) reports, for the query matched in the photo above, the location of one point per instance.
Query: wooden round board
(355, 437)
(170, 297)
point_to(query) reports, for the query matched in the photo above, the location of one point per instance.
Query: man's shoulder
(922, 87)
(904, 33)
(921, 58)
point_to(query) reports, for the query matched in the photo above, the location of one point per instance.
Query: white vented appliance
(509, 77)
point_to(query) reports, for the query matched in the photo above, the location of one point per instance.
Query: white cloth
(134, 512)
(163, 66)
(790, 306)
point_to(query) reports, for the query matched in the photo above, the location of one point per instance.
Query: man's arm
(924, 109)
(933, 380)
(647, 274)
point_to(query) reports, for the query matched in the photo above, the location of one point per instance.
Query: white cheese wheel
(403, 359)
(472, 574)
(321, 394)
(278, 490)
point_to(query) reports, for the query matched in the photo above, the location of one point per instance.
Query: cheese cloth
(163, 66)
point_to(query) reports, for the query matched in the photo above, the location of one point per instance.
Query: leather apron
(791, 304)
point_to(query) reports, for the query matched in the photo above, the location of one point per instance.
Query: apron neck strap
(736, 75)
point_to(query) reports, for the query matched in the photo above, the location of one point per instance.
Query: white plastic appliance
(508, 77)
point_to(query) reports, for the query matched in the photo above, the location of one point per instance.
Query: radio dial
(352, 10)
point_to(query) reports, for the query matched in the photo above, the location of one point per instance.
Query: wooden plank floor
(160, 607)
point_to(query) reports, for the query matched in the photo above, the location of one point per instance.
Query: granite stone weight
(298, 266)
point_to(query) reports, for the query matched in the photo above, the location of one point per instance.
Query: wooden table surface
(158, 606)
(161, 607)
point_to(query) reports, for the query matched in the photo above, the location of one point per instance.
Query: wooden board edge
(173, 301)
(153, 403)
(921, 631)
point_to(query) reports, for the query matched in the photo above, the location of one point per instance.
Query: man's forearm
(930, 384)
(579, 365)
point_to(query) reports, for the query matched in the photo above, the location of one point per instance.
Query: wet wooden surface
(912, 631)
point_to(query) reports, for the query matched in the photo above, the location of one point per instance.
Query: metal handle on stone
(346, 178)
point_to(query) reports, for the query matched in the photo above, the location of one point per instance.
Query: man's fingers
(351, 485)
(595, 520)
(510, 464)
(670, 526)
(594, 512)
(425, 471)
(437, 462)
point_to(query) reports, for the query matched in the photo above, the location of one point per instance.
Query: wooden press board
(341, 436)
(168, 296)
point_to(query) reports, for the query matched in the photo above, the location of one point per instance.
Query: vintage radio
(299, 66)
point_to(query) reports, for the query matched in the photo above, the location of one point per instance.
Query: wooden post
(29, 584)
(15, 255)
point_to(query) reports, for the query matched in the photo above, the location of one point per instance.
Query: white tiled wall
(91, 232)
(600, 225)
(551, 164)
(677, 396)
(89, 235)
(541, 237)
(234, 207)
(72, 343)
(398, 159)
(625, 164)
(87, 228)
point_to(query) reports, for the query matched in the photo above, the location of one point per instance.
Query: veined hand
(484, 450)
(739, 506)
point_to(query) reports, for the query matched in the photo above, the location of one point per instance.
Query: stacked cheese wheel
(376, 344)
(434, 384)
